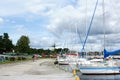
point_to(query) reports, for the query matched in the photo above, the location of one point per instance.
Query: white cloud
(21, 29)
(43, 42)
(1, 20)
(12, 7)
(34, 7)
(39, 8)
(66, 19)
(63, 16)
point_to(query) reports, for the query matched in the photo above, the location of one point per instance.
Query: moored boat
(100, 67)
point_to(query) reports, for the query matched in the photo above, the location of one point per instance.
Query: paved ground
(42, 69)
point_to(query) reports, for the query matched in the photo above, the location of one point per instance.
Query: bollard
(74, 72)
(77, 78)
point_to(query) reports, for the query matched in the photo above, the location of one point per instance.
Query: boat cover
(106, 53)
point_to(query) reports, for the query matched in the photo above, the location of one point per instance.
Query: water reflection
(91, 77)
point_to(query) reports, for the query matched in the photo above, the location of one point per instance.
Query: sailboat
(62, 59)
(100, 66)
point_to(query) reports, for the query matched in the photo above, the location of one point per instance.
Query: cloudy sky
(63, 22)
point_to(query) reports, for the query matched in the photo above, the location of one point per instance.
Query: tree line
(22, 46)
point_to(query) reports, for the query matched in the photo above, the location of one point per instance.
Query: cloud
(43, 42)
(39, 9)
(61, 18)
(22, 7)
(1, 20)
(13, 7)
(65, 20)
(20, 28)
(74, 17)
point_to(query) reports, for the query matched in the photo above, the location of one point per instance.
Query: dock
(42, 69)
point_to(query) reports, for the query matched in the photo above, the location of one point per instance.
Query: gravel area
(43, 69)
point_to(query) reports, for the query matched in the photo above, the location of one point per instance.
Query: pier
(43, 69)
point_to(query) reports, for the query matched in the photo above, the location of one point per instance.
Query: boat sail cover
(106, 53)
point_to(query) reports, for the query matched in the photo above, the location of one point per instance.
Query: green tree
(7, 43)
(1, 42)
(23, 44)
(57, 50)
(66, 49)
(1, 45)
(6, 36)
(40, 51)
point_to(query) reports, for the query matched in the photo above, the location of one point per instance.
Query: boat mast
(103, 8)
(86, 24)
(76, 36)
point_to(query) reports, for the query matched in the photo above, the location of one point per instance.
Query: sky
(62, 22)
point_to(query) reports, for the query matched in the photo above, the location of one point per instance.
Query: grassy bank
(16, 59)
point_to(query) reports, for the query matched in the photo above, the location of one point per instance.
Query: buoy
(74, 72)
(77, 78)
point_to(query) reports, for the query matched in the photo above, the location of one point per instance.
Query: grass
(28, 58)
(8, 61)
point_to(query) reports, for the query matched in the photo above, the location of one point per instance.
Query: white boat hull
(100, 70)
(99, 66)
(74, 66)
(63, 63)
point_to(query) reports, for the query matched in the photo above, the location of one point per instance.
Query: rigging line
(76, 36)
(85, 25)
(80, 37)
(90, 25)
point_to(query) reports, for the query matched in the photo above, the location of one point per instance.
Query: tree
(66, 49)
(7, 43)
(23, 44)
(1, 42)
(58, 50)
(1, 45)
(6, 36)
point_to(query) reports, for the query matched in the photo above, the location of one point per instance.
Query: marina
(97, 67)
(92, 77)
(45, 69)
(60, 40)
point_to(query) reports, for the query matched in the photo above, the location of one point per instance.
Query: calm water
(91, 77)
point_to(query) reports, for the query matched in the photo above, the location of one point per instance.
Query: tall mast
(103, 6)
(86, 21)
(76, 36)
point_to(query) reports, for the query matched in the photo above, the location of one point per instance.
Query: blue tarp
(106, 53)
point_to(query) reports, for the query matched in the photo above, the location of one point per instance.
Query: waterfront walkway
(43, 69)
